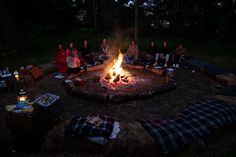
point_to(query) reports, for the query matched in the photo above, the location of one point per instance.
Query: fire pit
(114, 83)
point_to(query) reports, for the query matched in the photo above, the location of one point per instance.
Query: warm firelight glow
(116, 74)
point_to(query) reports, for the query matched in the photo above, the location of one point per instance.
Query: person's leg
(83, 66)
(127, 60)
(156, 59)
(167, 57)
(90, 60)
(69, 71)
(176, 60)
(101, 57)
(132, 60)
(74, 70)
(144, 61)
(182, 60)
(77, 69)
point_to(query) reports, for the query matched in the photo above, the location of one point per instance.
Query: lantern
(16, 74)
(22, 98)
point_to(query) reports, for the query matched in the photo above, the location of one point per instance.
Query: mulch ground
(133, 140)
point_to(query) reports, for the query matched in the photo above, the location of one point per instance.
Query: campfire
(116, 74)
(113, 81)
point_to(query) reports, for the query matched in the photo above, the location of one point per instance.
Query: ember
(116, 74)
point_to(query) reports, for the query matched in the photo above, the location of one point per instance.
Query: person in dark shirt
(180, 54)
(163, 53)
(86, 52)
(149, 56)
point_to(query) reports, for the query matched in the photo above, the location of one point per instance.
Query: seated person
(104, 51)
(163, 53)
(131, 55)
(60, 59)
(149, 56)
(180, 53)
(86, 52)
(73, 61)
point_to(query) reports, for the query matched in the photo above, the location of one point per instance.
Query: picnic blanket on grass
(192, 124)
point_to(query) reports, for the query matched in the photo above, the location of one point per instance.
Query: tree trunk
(224, 20)
(94, 15)
(136, 21)
(7, 25)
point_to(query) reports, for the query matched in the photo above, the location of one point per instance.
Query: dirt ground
(133, 139)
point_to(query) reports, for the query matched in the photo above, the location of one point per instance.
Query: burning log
(123, 76)
(108, 76)
(125, 80)
(117, 79)
(116, 74)
(126, 77)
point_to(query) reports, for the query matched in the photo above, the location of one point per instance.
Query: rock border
(168, 86)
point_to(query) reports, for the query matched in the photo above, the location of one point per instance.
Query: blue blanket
(193, 123)
(201, 65)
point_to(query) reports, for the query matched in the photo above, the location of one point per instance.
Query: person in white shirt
(73, 61)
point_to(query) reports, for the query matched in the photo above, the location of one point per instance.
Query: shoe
(96, 63)
(155, 64)
(174, 65)
(165, 65)
(177, 65)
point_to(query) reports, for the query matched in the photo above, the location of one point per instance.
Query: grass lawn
(42, 49)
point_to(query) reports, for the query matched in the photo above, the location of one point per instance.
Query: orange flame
(116, 69)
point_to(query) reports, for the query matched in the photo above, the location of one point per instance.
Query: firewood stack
(122, 78)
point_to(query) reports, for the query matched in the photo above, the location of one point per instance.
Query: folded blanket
(193, 123)
(80, 126)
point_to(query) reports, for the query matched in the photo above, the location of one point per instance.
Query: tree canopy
(185, 18)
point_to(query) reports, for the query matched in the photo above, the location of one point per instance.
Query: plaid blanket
(193, 123)
(80, 127)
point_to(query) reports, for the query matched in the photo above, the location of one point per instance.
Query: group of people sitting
(164, 55)
(71, 60)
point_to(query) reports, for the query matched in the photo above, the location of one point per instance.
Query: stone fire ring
(167, 84)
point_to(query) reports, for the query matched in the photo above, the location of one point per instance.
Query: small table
(29, 128)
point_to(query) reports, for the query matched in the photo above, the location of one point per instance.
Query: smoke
(119, 41)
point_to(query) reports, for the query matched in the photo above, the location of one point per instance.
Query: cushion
(35, 72)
